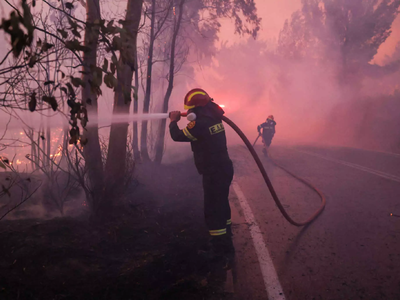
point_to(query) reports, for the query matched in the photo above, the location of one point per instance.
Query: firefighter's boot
(223, 250)
(229, 252)
(265, 151)
(219, 246)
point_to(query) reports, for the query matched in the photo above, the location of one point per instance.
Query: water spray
(125, 118)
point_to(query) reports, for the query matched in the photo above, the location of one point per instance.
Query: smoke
(253, 82)
(319, 89)
(41, 197)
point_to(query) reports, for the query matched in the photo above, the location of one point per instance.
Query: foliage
(346, 31)
(59, 42)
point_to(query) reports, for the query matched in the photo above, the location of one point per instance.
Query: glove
(175, 116)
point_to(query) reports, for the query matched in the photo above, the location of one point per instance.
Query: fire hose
(192, 116)
(268, 181)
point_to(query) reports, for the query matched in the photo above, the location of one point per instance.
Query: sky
(389, 46)
(273, 14)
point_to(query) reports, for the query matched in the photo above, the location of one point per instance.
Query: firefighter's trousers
(216, 185)
(267, 138)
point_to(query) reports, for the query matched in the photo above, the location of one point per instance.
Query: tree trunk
(161, 133)
(48, 130)
(48, 143)
(38, 162)
(116, 157)
(135, 139)
(92, 151)
(42, 136)
(33, 149)
(146, 103)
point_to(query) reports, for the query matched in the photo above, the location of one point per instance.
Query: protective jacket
(207, 137)
(267, 127)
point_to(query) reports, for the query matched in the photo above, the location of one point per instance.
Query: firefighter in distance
(268, 132)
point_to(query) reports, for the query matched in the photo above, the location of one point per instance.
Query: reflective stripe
(217, 128)
(229, 222)
(218, 232)
(188, 107)
(194, 94)
(188, 135)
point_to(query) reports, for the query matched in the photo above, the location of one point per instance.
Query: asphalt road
(352, 251)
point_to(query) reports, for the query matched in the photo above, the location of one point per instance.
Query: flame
(58, 153)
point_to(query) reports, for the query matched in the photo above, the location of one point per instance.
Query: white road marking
(361, 168)
(271, 280)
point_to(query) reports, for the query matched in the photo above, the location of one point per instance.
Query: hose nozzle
(190, 116)
(183, 114)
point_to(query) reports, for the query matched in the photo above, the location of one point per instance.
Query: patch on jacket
(217, 128)
(191, 124)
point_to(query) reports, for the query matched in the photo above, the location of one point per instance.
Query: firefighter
(208, 142)
(268, 132)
